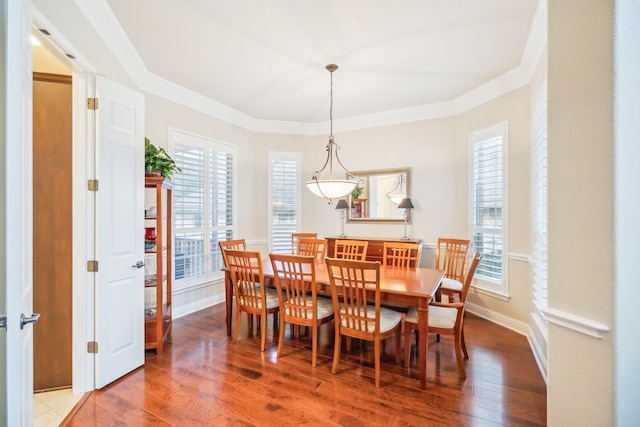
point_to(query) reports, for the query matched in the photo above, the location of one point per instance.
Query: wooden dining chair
(296, 237)
(351, 249)
(402, 254)
(445, 319)
(355, 316)
(316, 248)
(295, 279)
(245, 268)
(451, 256)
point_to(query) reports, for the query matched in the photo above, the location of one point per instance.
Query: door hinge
(92, 266)
(92, 103)
(92, 347)
(92, 185)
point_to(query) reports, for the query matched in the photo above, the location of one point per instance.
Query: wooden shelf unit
(157, 325)
(374, 248)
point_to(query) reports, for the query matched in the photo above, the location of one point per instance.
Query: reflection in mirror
(378, 194)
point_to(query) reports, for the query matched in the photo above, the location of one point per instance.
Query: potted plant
(357, 192)
(157, 161)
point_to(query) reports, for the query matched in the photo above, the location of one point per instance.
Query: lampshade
(406, 204)
(342, 204)
(329, 187)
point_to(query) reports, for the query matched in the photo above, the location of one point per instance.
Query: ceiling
(266, 59)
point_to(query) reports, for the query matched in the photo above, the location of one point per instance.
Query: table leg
(423, 340)
(228, 293)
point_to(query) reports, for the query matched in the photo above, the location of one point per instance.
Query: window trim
(494, 288)
(285, 156)
(181, 285)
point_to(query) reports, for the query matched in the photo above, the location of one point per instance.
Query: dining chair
(351, 249)
(295, 279)
(445, 318)
(246, 273)
(296, 237)
(316, 248)
(355, 317)
(451, 256)
(402, 254)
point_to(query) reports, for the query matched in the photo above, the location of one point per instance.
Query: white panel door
(15, 214)
(120, 231)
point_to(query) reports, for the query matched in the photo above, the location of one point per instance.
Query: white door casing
(120, 231)
(17, 224)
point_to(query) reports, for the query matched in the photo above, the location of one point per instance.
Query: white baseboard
(197, 305)
(538, 354)
(497, 318)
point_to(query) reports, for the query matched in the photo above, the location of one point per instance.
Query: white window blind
(488, 205)
(540, 201)
(284, 199)
(203, 206)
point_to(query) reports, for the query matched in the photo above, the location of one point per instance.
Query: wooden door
(52, 222)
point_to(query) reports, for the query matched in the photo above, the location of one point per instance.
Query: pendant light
(330, 187)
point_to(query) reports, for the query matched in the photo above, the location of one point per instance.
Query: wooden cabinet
(158, 260)
(374, 249)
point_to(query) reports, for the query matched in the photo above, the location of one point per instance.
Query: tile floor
(51, 407)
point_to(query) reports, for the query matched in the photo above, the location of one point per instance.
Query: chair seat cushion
(452, 284)
(439, 317)
(324, 307)
(272, 299)
(388, 319)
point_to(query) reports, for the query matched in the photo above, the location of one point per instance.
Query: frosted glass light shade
(331, 188)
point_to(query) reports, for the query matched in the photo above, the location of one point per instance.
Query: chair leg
(263, 332)
(407, 344)
(376, 355)
(464, 346)
(281, 336)
(459, 357)
(314, 346)
(336, 350)
(348, 344)
(237, 328)
(398, 337)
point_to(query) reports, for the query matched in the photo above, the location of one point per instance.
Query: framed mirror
(378, 194)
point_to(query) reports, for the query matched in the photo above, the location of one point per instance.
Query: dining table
(415, 286)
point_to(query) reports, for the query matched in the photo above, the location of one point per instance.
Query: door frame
(83, 206)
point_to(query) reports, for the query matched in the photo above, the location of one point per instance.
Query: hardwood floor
(202, 379)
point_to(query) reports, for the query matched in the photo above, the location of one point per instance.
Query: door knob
(24, 320)
(138, 264)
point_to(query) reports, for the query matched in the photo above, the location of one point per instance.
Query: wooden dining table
(412, 286)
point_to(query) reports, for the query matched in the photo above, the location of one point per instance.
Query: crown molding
(106, 24)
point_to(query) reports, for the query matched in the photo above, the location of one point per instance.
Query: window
(488, 206)
(203, 206)
(540, 200)
(284, 200)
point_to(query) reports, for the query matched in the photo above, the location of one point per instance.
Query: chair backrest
(351, 249)
(469, 276)
(316, 248)
(296, 237)
(295, 278)
(350, 280)
(245, 268)
(402, 254)
(451, 256)
(236, 245)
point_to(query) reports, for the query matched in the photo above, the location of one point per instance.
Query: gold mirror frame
(374, 204)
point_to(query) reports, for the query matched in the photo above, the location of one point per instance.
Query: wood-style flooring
(203, 379)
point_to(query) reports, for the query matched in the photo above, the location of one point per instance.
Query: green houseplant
(357, 192)
(157, 161)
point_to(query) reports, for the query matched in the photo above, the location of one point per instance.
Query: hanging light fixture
(330, 187)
